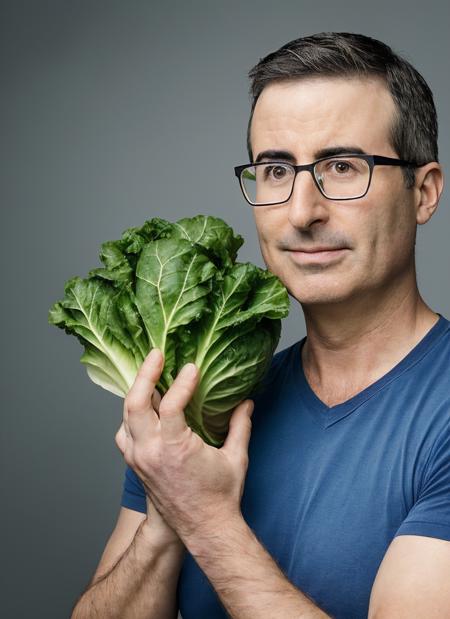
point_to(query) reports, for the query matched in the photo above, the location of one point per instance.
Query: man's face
(377, 231)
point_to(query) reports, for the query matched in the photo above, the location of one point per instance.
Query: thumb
(240, 429)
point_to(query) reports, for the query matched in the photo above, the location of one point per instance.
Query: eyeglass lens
(338, 178)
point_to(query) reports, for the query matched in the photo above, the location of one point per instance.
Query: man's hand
(195, 487)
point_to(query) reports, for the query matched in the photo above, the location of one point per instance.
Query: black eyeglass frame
(372, 161)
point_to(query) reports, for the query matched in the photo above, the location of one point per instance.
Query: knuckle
(140, 458)
(117, 439)
(133, 402)
(175, 400)
(167, 407)
(128, 457)
(145, 457)
(120, 439)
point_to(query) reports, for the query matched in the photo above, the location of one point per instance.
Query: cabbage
(177, 287)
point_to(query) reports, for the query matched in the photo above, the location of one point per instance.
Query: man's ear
(427, 190)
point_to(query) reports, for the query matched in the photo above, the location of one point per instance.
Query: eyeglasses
(342, 177)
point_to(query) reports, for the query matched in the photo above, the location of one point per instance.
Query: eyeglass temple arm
(380, 160)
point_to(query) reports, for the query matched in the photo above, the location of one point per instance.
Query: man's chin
(315, 286)
(318, 297)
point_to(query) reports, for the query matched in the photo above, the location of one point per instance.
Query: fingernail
(154, 354)
(190, 370)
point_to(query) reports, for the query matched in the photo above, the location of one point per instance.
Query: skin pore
(363, 310)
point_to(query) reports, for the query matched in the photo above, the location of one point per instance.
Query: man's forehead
(322, 111)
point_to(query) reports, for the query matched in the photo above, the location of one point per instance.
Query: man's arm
(142, 582)
(413, 580)
(247, 580)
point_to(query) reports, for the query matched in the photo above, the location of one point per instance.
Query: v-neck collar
(325, 415)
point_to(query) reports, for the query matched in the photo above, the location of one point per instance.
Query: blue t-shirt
(328, 488)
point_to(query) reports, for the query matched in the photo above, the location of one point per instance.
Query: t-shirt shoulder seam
(430, 455)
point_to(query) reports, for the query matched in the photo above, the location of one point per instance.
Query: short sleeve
(430, 515)
(133, 494)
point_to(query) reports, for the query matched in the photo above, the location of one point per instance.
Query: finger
(138, 409)
(238, 436)
(140, 394)
(171, 409)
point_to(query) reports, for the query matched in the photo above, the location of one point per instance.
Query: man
(345, 511)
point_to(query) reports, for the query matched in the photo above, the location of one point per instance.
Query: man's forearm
(142, 584)
(247, 580)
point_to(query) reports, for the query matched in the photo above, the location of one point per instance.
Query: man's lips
(320, 254)
(313, 250)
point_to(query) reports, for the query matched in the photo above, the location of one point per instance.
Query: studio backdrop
(114, 113)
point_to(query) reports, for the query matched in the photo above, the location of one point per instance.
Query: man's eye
(341, 167)
(275, 172)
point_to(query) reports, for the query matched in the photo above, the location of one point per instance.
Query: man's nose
(307, 206)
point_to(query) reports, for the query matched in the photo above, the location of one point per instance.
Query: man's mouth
(320, 254)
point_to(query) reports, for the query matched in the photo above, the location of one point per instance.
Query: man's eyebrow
(339, 150)
(330, 151)
(275, 155)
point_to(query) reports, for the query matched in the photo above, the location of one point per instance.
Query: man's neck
(349, 348)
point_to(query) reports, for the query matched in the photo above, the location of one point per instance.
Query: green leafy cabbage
(177, 287)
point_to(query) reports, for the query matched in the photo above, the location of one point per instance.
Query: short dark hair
(342, 54)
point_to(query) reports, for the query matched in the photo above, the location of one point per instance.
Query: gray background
(109, 112)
